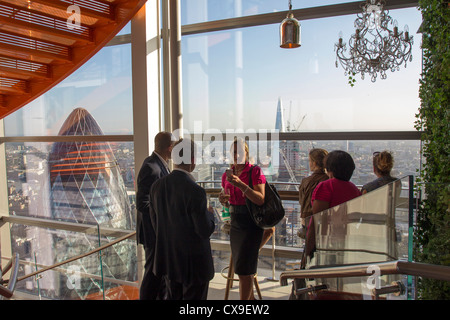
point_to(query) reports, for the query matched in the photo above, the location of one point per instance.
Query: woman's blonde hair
(238, 142)
(383, 162)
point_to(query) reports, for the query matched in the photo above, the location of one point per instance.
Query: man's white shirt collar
(163, 161)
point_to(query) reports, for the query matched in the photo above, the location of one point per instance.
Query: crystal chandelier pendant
(374, 48)
(290, 31)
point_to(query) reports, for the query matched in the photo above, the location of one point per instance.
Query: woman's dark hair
(341, 164)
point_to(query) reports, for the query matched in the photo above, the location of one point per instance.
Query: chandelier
(374, 48)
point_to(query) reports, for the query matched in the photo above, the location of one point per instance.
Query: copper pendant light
(290, 31)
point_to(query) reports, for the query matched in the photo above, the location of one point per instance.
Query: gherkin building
(87, 188)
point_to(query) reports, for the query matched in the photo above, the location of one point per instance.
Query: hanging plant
(432, 232)
(351, 79)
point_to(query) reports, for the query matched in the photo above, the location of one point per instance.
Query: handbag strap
(250, 183)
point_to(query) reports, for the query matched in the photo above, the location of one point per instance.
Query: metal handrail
(9, 291)
(290, 195)
(5, 292)
(6, 268)
(437, 272)
(63, 225)
(131, 234)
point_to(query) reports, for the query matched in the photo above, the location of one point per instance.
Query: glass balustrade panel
(369, 229)
(107, 274)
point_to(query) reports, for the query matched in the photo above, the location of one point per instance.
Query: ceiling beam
(22, 74)
(10, 49)
(13, 86)
(33, 25)
(108, 16)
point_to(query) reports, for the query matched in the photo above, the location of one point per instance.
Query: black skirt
(245, 241)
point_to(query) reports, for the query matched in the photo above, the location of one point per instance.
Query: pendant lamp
(290, 31)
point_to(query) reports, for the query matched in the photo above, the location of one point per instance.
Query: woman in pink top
(338, 189)
(245, 236)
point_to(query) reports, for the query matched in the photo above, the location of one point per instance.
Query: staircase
(44, 41)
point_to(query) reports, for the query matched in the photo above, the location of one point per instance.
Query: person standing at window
(308, 184)
(338, 189)
(383, 162)
(183, 226)
(245, 236)
(153, 168)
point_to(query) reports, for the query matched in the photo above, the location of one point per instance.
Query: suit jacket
(183, 225)
(152, 169)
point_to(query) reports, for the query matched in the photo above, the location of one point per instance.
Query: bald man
(154, 167)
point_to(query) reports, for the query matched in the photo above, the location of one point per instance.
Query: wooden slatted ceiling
(38, 49)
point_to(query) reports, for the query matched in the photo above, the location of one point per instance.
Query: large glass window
(56, 173)
(84, 182)
(102, 86)
(236, 79)
(239, 80)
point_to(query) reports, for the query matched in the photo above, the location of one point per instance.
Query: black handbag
(271, 212)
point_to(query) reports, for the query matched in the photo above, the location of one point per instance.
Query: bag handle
(250, 183)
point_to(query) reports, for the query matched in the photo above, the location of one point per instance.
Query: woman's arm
(319, 205)
(255, 195)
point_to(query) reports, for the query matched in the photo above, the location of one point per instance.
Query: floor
(270, 290)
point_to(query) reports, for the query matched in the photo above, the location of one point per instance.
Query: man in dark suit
(183, 225)
(154, 167)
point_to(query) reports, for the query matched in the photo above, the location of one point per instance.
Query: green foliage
(351, 79)
(432, 233)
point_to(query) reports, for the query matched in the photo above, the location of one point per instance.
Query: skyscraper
(86, 187)
(283, 174)
(279, 122)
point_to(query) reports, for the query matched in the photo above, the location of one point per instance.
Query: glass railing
(111, 273)
(373, 228)
(73, 261)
